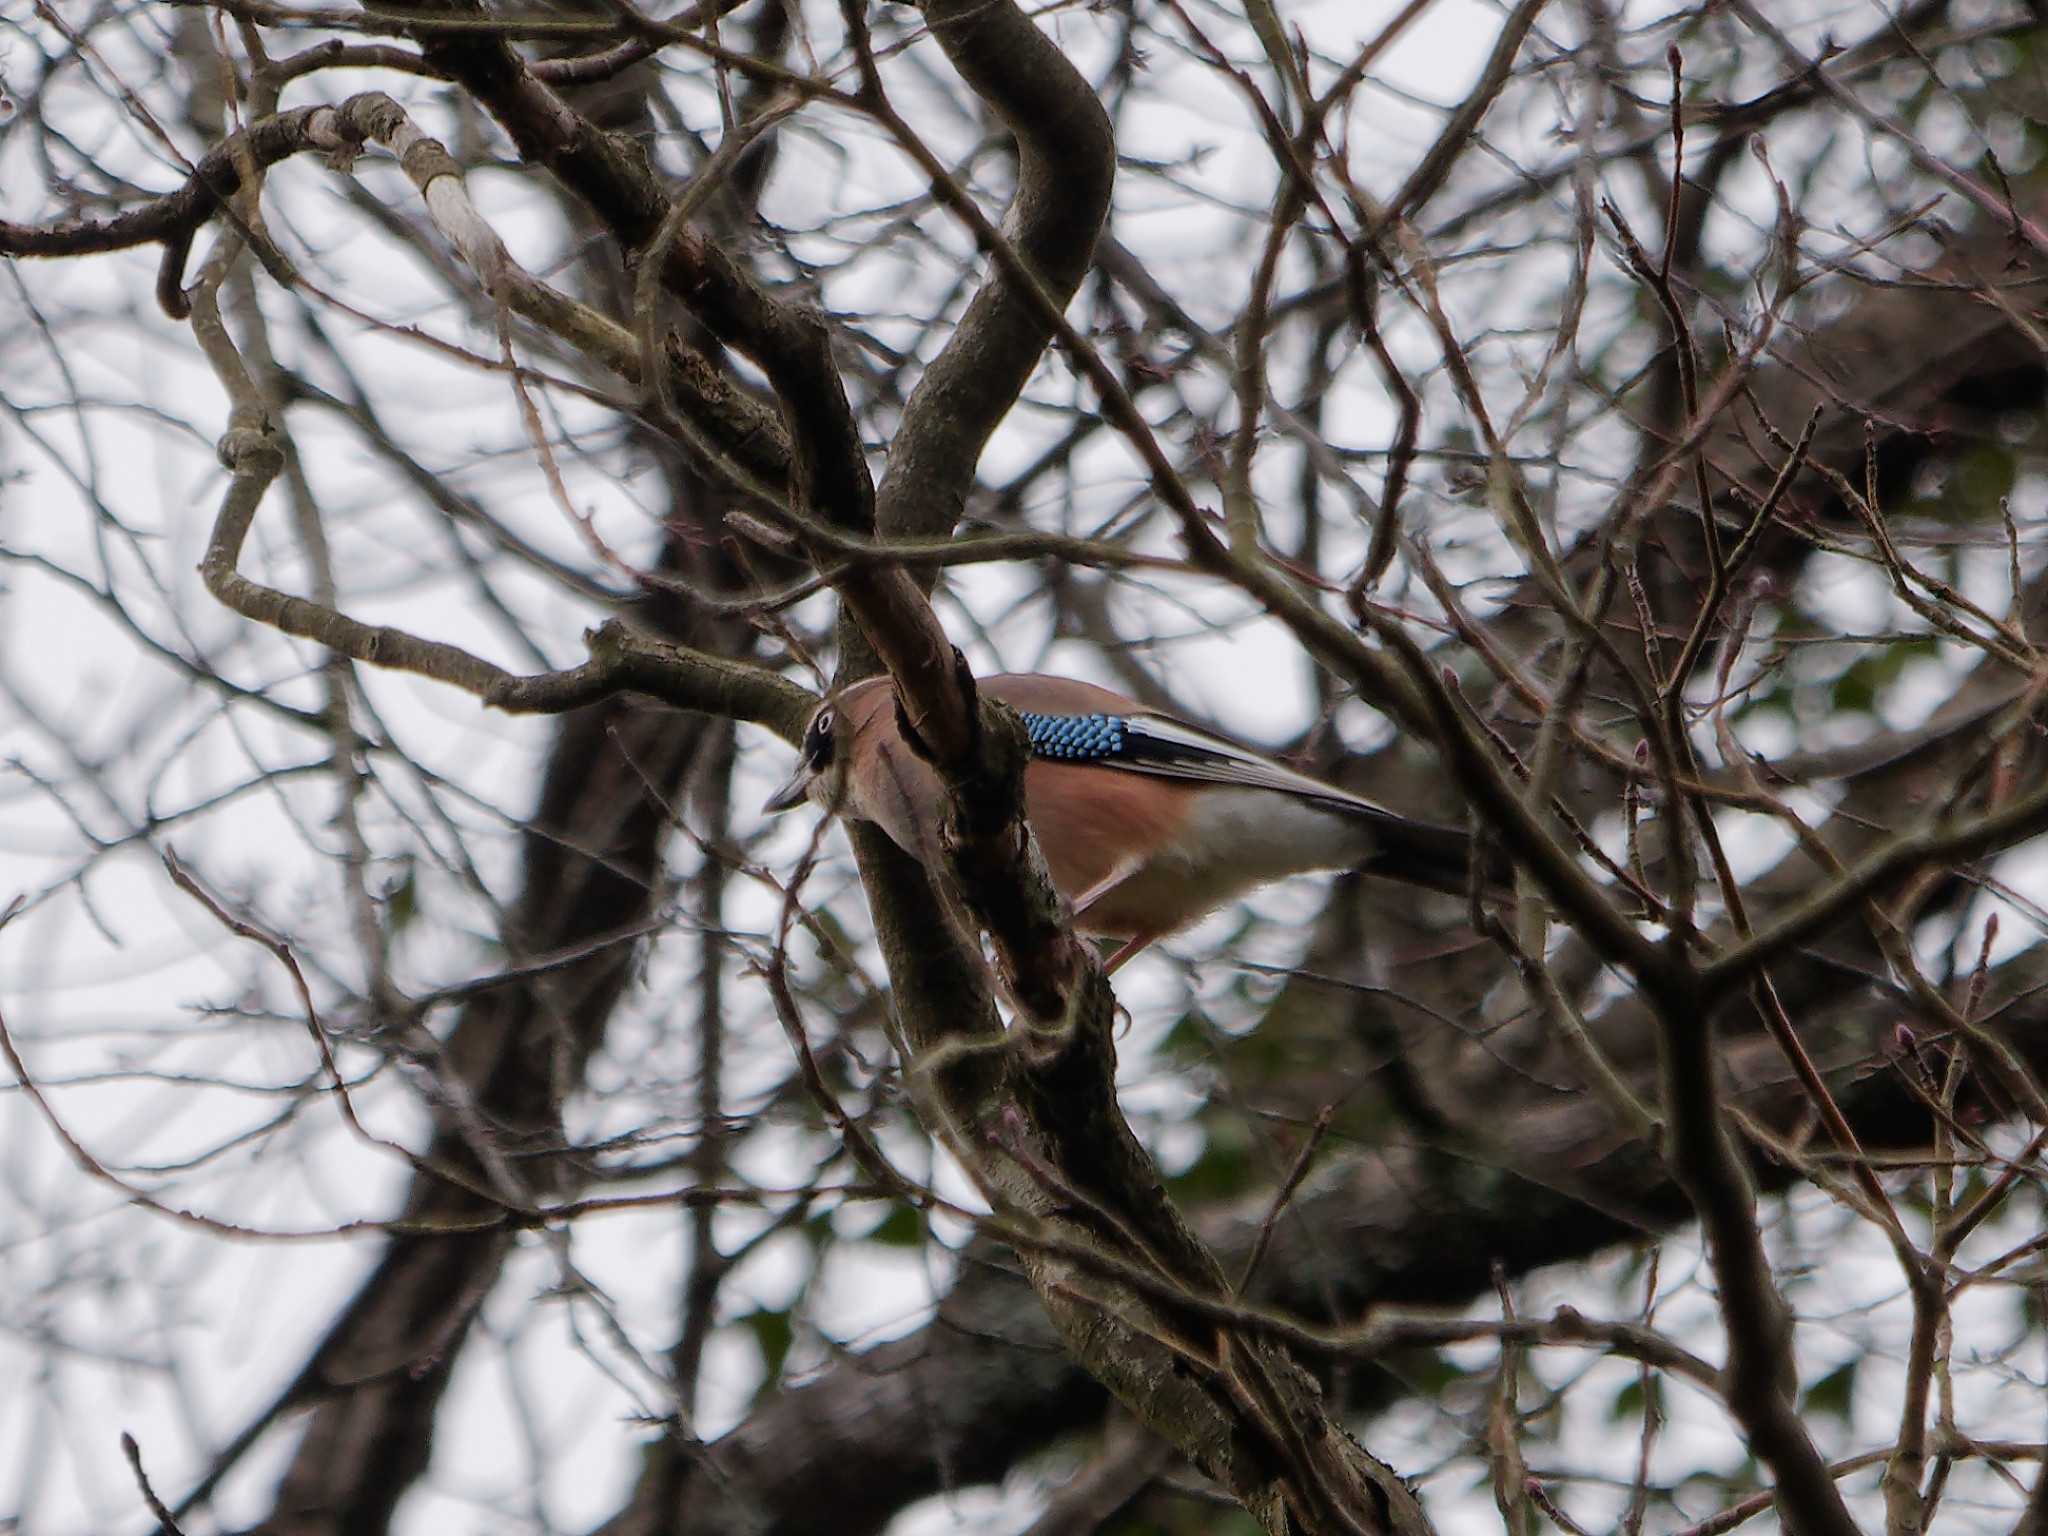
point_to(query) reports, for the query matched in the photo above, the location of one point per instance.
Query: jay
(1147, 823)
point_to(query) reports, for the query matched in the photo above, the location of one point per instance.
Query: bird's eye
(818, 740)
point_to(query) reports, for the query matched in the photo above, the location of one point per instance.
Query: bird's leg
(1103, 887)
(1094, 894)
(1129, 948)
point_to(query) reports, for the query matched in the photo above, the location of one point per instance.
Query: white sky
(108, 983)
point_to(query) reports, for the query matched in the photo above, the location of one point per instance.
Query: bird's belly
(1231, 841)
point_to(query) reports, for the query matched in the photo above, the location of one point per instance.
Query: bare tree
(436, 1089)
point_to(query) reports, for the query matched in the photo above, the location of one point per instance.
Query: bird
(1147, 823)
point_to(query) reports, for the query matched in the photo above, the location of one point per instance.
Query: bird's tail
(1420, 853)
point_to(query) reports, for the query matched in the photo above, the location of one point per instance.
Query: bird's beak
(792, 794)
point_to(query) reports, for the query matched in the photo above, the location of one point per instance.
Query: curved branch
(620, 659)
(1066, 161)
(176, 215)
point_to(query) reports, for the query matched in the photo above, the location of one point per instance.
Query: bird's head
(815, 760)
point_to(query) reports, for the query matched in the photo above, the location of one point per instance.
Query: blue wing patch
(1076, 738)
